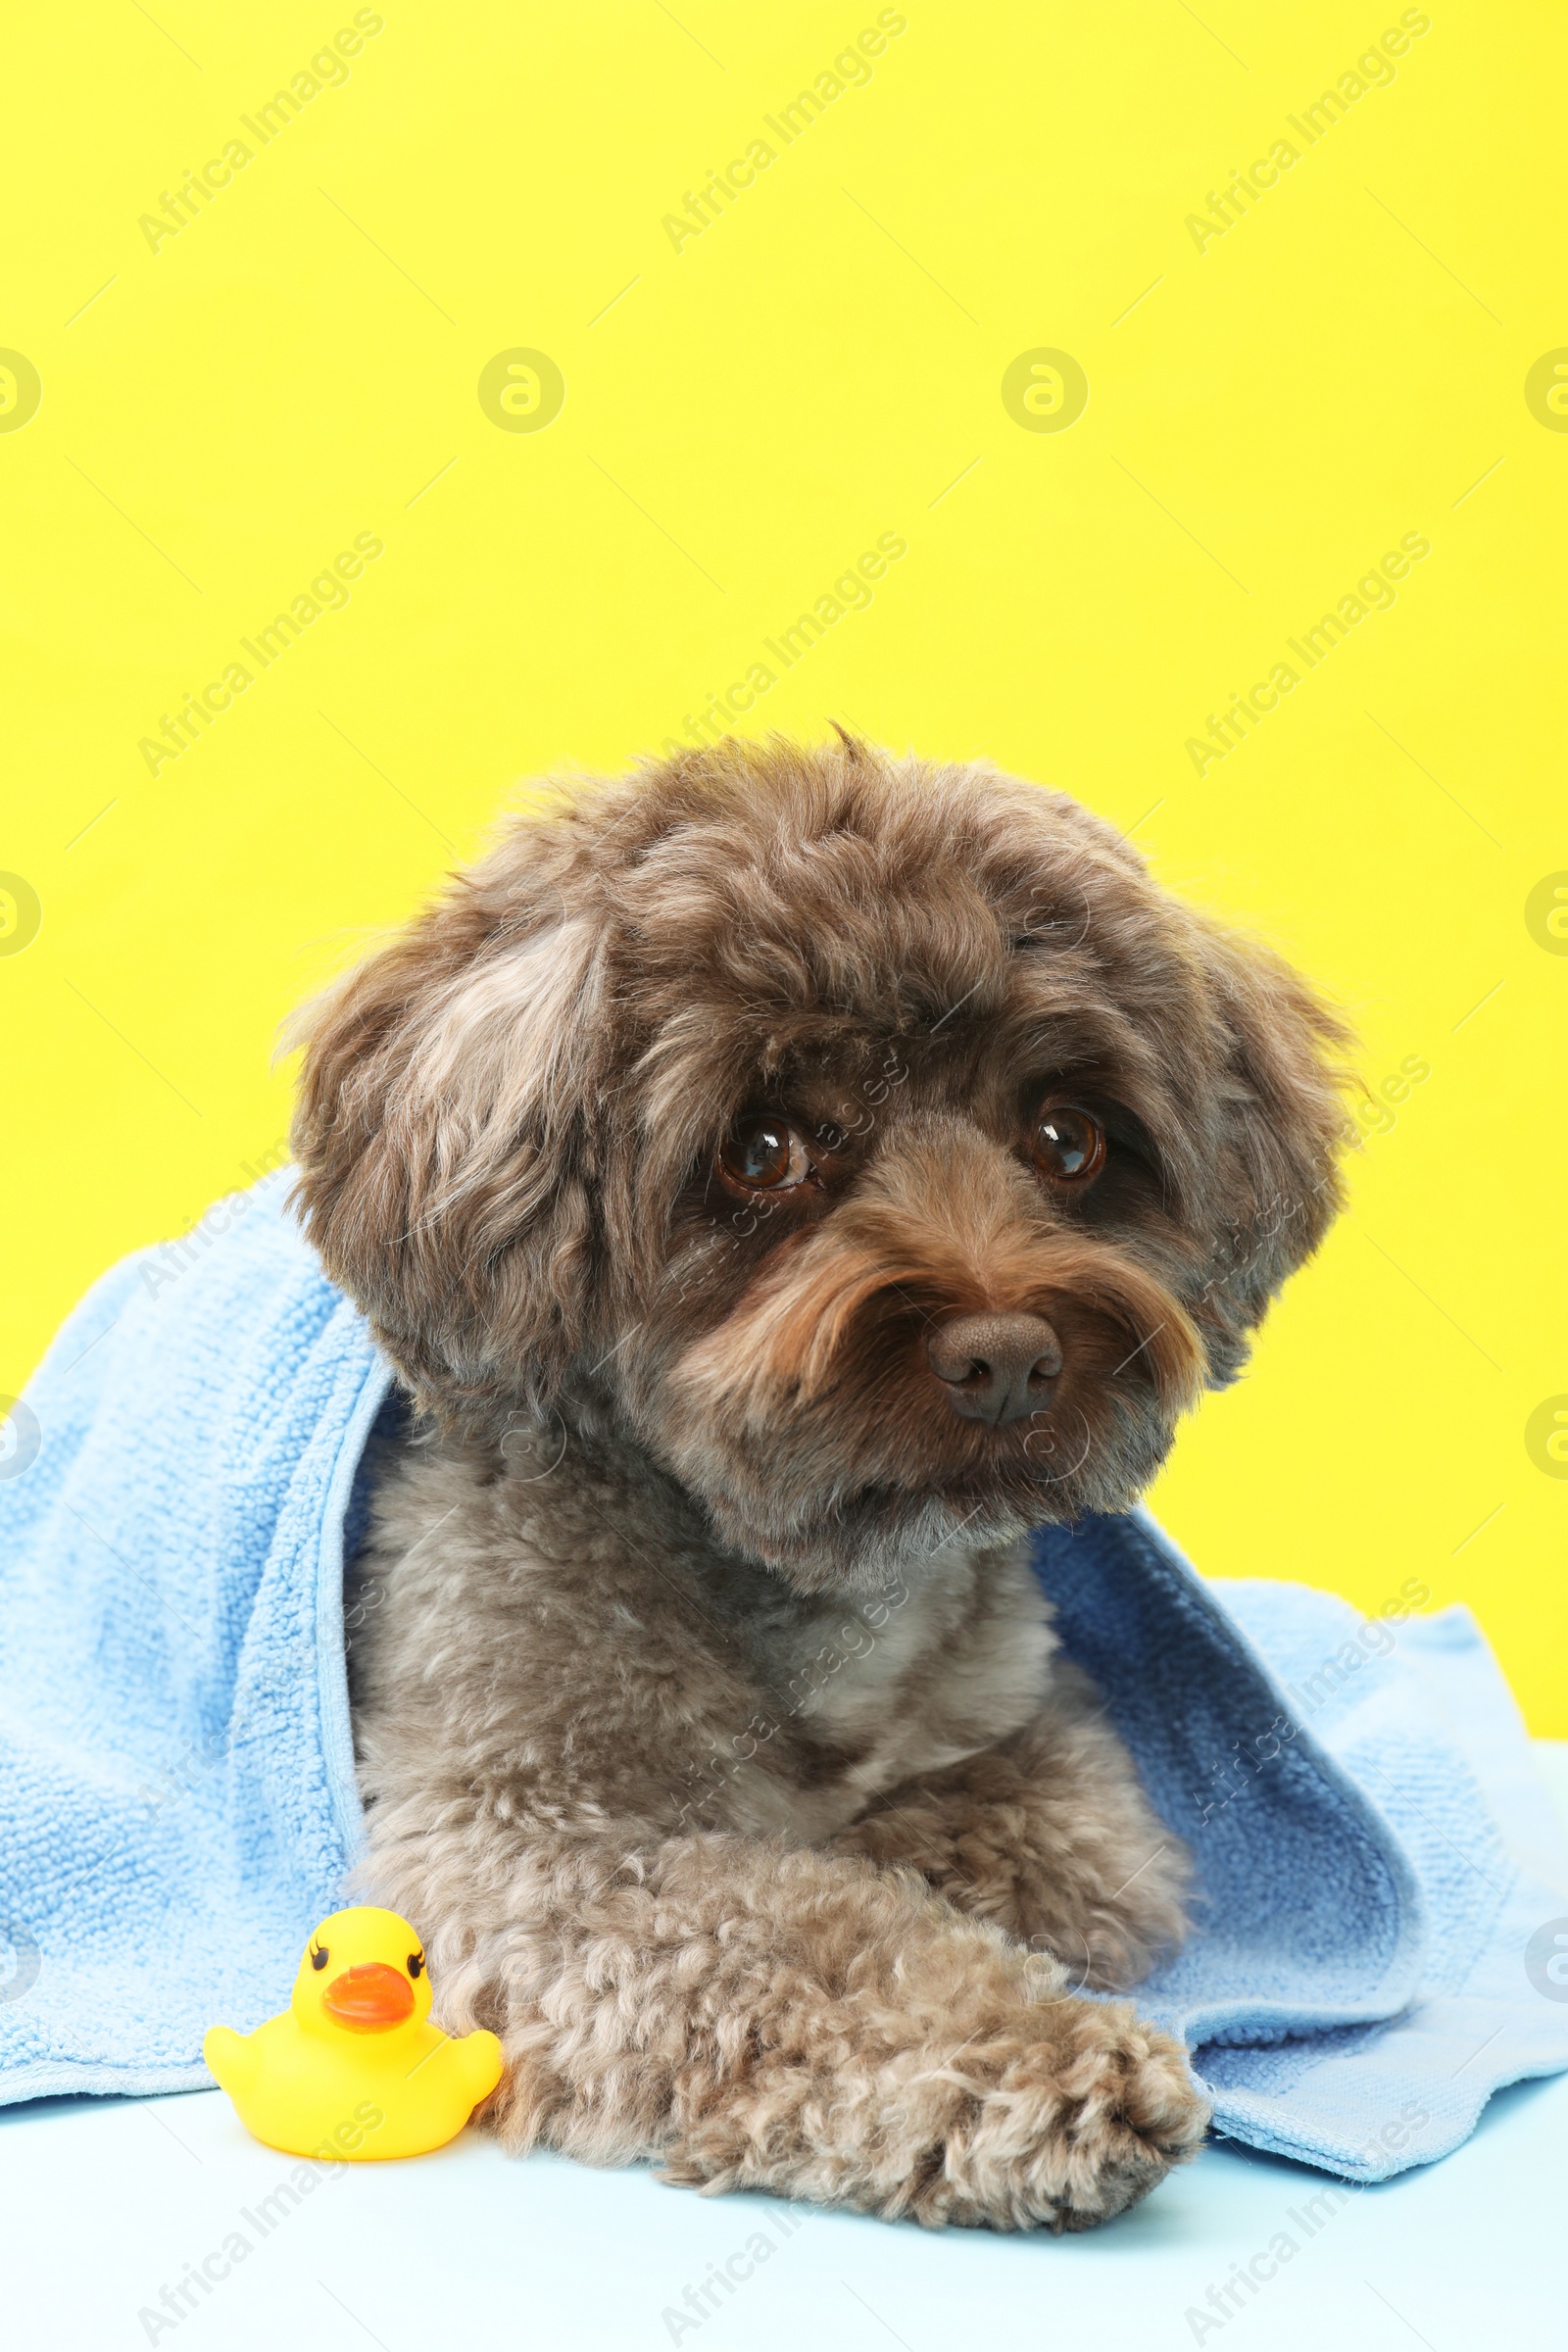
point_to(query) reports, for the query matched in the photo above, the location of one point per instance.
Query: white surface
(105, 2203)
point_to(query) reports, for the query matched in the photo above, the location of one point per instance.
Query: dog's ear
(1275, 1181)
(442, 1131)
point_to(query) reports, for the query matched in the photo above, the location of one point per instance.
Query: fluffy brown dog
(783, 1181)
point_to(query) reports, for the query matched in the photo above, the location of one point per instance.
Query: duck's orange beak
(368, 1999)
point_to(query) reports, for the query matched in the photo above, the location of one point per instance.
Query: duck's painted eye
(319, 1955)
(416, 1964)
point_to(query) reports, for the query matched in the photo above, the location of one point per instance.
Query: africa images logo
(328, 70)
(1546, 1960)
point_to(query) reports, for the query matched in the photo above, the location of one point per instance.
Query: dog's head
(873, 1144)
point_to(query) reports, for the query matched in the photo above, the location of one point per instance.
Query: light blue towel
(178, 1805)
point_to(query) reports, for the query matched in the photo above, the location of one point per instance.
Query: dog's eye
(763, 1153)
(1069, 1146)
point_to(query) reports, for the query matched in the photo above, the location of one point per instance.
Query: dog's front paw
(1054, 2114)
(1065, 2132)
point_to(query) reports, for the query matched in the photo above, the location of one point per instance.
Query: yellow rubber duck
(353, 2068)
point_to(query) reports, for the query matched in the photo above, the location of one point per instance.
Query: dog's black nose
(995, 1367)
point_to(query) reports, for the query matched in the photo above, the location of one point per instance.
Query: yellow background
(1266, 416)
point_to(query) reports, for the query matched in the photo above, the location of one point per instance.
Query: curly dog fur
(699, 1158)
